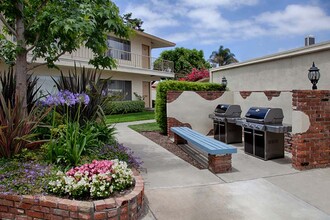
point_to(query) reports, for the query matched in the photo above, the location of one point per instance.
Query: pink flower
(96, 167)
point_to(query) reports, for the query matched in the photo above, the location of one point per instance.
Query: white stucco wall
(191, 108)
(279, 72)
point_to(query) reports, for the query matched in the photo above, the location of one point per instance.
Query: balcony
(124, 59)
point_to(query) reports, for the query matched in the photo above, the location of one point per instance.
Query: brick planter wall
(312, 148)
(129, 206)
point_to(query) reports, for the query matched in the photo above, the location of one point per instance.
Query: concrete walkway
(256, 189)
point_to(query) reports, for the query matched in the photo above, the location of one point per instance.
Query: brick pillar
(219, 163)
(312, 148)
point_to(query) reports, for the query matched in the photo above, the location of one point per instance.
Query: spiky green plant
(86, 81)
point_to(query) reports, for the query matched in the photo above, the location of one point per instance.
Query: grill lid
(221, 109)
(265, 115)
(225, 110)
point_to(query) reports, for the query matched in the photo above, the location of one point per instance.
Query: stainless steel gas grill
(264, 132)
(224, 123)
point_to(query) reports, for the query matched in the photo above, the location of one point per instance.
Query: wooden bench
(219, 153)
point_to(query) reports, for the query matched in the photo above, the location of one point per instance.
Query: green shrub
(123, 107)
(171, 85)
(69, 142)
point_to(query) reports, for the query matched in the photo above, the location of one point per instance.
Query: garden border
(129, 206)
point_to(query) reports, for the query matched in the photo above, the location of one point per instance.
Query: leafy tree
(135, 23)
(222, 57)
(184, 60)
(49, 28)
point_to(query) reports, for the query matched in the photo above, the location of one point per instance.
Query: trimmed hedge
(171, 85)
(123, 107)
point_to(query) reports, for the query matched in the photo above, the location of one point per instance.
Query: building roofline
(289, 53)
(157, 41)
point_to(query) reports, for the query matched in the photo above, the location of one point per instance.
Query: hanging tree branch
(12, 30)
(45, 63)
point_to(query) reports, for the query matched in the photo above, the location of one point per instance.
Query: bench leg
(179, 140)
(219, 163)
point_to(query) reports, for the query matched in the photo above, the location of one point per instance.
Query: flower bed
(129, 206)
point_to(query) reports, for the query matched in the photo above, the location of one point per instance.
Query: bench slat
(205, 143)
(207, 140)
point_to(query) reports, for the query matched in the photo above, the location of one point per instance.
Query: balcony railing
(125, 58)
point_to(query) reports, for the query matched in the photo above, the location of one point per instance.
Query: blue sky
(249, 28)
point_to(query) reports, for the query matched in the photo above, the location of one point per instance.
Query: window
(119, 48)
(121, 90)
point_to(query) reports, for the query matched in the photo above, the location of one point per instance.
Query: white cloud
(203, 21)
(152, 19)
(208, 18)
(181, 37)
(295, 19)
(216, 3)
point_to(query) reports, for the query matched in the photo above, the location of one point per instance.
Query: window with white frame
(119, 48)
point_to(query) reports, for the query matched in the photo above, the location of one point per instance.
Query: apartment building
(135, 70)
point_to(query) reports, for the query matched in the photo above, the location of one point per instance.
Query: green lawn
(145, 127)
(139, 116)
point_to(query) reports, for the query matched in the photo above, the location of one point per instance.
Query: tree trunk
(21, 62)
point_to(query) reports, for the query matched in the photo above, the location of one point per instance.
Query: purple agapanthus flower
(65, 97)
(84, 98)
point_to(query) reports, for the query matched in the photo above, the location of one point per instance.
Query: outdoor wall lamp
(314, 75)
(224, 81)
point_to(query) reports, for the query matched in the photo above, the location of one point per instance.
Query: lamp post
(314, 75)
(224, 81)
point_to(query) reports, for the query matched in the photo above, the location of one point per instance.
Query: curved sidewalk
(255, 189)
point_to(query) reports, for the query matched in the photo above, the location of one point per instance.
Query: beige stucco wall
(281, 74)
(191, 108)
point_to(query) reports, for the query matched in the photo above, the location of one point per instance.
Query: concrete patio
(256, 189)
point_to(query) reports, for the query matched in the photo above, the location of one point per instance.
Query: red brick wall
(210, 95)
(172, 122)
(129, 206)
(245, 94)
(312, 148)
(172, 96)
(272, 93)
